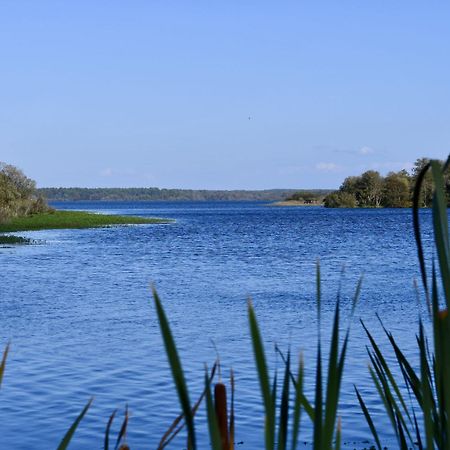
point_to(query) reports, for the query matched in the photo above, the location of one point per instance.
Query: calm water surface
(78, 311)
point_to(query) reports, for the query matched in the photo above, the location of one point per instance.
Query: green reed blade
(401, 435)
(416, 225)
(177, 371)
(284, 408)
(123, 429)
(297, 404)
(387, 371)
(368, 419)
(71, 431)
(418, 437)
(318, 406)
(274, 390)
(440, 222)
(381, 394)
(337, 445)
(404, 364)
(261, 366)
(426, 393)
(213, 427)
(108, 429)
(304, 402)
(174, 429)
(333, 384)
(389, 396)
(3, 363)
(231, 431)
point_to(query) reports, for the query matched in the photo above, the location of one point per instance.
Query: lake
(78, 311)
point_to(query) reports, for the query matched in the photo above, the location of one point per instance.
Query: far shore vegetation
(395, 190)
(156, 194)
(22, 208)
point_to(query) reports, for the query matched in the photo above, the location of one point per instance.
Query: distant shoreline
(157, 194)
(294, 203)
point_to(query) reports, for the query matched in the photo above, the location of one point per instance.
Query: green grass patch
(72, 219)
(13, 240)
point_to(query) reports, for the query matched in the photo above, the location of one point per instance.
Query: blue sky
(221, 95)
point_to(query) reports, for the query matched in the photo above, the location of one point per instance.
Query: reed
(420, 414)
(282, 417)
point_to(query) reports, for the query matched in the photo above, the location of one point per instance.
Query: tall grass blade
(297, 404)
(304, 402)
(263, 376)
(368, 419)
(416, 226)
(71, 431)
(108, 428)
(214, 433)
(177, 371)
(318, 407)
(232, 419)
(123, 429)
(3, 363)
(333, 384)
(440, 223)
(174, 429)
(337, 446)
(284, 408)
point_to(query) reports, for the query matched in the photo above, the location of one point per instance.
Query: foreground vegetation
(71, 219)
(419, 396)
(371, 190)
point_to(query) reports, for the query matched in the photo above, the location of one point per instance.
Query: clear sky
(221, 95)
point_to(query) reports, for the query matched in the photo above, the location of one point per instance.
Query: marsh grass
(72, 219)
(282, 406)
(14, 240)
(420, 417)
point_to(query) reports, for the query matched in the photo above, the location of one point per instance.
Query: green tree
(17, 194)
(369, 189)
(396, 190)
(340, 199)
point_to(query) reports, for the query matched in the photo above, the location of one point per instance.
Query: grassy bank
(72, 219)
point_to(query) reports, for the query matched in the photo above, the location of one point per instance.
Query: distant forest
(156, 194)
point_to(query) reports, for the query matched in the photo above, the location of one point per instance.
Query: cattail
(220, 398)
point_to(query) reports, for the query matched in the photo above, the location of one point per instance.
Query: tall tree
(369, 189)
(396, 190)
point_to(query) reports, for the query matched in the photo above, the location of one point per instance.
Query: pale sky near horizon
(221, 95)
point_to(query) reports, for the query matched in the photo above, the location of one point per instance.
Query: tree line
(18, 196)
(395, 190)
(157, 194)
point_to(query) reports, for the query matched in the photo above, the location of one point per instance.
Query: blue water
(78, 311)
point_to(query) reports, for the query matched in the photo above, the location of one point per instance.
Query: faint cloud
(328, 167)
(366, 150)
(107, 172)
